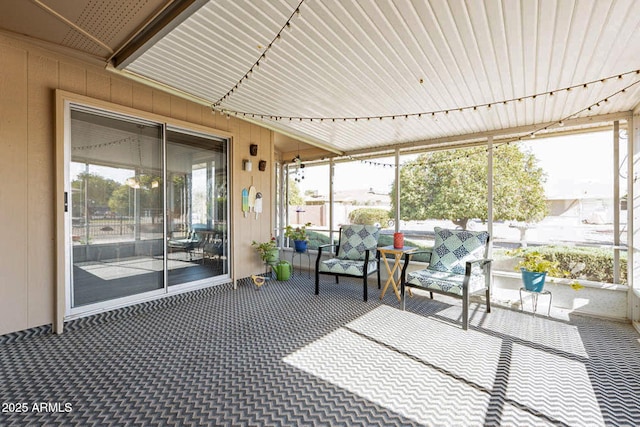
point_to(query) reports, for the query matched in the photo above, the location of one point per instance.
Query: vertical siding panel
(98, 86)
(208, 117)
(194, 113)
(261, 178)
(73, 78)
(222, 122)
(247, 229)
(266, 153)
(161, 103)
(142, 98)
(42, 77)
(178, 108)
(13, 198)
(121, 92)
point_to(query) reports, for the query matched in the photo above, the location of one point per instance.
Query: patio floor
(283, 356)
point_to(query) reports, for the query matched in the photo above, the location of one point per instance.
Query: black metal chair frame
(364, 276)
(484, 263)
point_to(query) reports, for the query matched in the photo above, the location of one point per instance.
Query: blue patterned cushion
(453, 248)
(355, 240)
(345, 266)
(445, 281)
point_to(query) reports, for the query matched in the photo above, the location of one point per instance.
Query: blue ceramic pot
(300, 245)
(533, 281)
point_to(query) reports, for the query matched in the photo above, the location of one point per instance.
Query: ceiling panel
(432, 61)
(362, 60)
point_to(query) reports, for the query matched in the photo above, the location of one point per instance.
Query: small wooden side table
(397, 254)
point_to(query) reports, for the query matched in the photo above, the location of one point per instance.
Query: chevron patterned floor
(280, 356)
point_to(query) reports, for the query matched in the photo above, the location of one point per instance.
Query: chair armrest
(482, 261)
(327, 245)
(408, 255)
(320, 248)
(423, 251)
(407, 258)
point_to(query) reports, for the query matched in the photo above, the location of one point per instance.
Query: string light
(126, 140)
(262, 57)
(531, 134)
(435, 113)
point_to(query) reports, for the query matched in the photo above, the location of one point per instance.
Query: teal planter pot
(533, 281)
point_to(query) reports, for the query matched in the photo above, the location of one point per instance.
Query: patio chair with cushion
(458, 267)
(356, 255)
(187, 242)
(212, 246)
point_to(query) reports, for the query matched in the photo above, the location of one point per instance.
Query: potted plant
(535, 267)
(298, 235)
(268, 250)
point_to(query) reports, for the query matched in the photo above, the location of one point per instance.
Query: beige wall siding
(42, 74)
(28, 78)
(13, 189)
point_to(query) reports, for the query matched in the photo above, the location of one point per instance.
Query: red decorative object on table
(398, 240)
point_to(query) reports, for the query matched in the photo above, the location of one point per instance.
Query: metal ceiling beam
(497, 134)
(301, 138)
(160, 25)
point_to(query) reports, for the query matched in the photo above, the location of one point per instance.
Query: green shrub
(584, 263)
(369, 216)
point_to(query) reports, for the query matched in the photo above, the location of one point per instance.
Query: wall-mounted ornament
(247, 165)
(262, 165)
(253, 149)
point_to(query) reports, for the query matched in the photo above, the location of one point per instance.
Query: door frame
(63, 103)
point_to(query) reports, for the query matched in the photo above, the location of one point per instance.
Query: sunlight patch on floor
(111, 270)
(389, 379)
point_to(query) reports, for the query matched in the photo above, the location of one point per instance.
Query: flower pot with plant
(535, 267)
(268, 250)
(299, 236)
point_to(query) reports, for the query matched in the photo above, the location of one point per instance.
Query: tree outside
(97, 188)
(452, 185)
(150, 189)
(295, 198)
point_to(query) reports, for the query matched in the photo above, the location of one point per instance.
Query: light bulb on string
(433, 114)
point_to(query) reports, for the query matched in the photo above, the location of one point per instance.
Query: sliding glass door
(146, 209)
(116, 207)
(196, 207)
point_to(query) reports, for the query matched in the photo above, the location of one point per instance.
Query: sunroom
(148, 144)
(442, 99)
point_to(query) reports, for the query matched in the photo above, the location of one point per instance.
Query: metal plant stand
(534, 300)
(300, 261)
